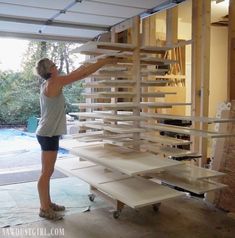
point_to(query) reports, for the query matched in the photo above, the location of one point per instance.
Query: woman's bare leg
(48, 159)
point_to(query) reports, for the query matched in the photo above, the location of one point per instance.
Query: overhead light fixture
(164, 5)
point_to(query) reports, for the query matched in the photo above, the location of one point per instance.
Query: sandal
(50, 214)
(57, 208)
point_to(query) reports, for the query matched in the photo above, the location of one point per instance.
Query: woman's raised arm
(84, 71)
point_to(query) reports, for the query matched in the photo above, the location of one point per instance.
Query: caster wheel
(156, 207)
(116, 214)
(91, 197)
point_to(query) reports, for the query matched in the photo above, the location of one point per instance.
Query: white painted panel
(60, 4)
(18, 27)
(197, 186)
(192, 172)
(54, 31)
(69, 164)
(70, 32)
(106, 10)
(137, 192)
(26, 12)
(97, 174)
(126, 161)
(89, 19)
(132, 3)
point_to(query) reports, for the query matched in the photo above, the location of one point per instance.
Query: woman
(53, 124)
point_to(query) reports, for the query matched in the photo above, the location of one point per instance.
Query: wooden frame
(127, 131)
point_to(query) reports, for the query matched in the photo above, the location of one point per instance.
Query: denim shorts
(49, 143)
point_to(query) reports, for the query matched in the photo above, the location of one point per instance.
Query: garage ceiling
(70, 20)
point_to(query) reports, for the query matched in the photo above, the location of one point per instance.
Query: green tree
(19, 91)
(17, 99)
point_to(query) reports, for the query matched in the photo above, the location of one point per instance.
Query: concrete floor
(177, 218)
(182, 217)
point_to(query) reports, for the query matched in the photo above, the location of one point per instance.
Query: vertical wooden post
(172, 26)
(201, 12)
(136, 72)
(149, 39)
(231, 52)
(114, 39)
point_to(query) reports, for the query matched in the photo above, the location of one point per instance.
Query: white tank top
(53, 118)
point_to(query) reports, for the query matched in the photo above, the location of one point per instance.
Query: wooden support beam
(231, 52)
(136, 72)
(149, 40)
(201, 12)
(172, 26)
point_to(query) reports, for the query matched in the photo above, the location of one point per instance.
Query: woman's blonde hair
(43, 67)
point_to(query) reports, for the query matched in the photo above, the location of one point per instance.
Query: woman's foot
(50, 214)
(57, 208)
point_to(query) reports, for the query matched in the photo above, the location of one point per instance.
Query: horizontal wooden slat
(106, 105)
(107, 116)
(110, 83)
(157, 94)
(163, 49)
(161, 104)
(147, 83)
(109, 95)
(102, 48)
(165, 140)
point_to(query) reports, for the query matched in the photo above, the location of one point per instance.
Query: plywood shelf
(107, 105)
(125, 94)
(128, 192)
(123, 129)
(157, 61)
(163, 49)
(154, 72)
(97, 175)
(192, 172)
(109, 95)
(107, 116)
(116, 74)
(68, 165)
(168, 151)
(147, 83)
(157, 94)
(188, 118)
(111, 83)
(69, 144)
(165, 140)
(94, 47)
(120, 129)
(197, 186)
(161, 104)
(123, 160)
(126, 189)
(186, 131)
